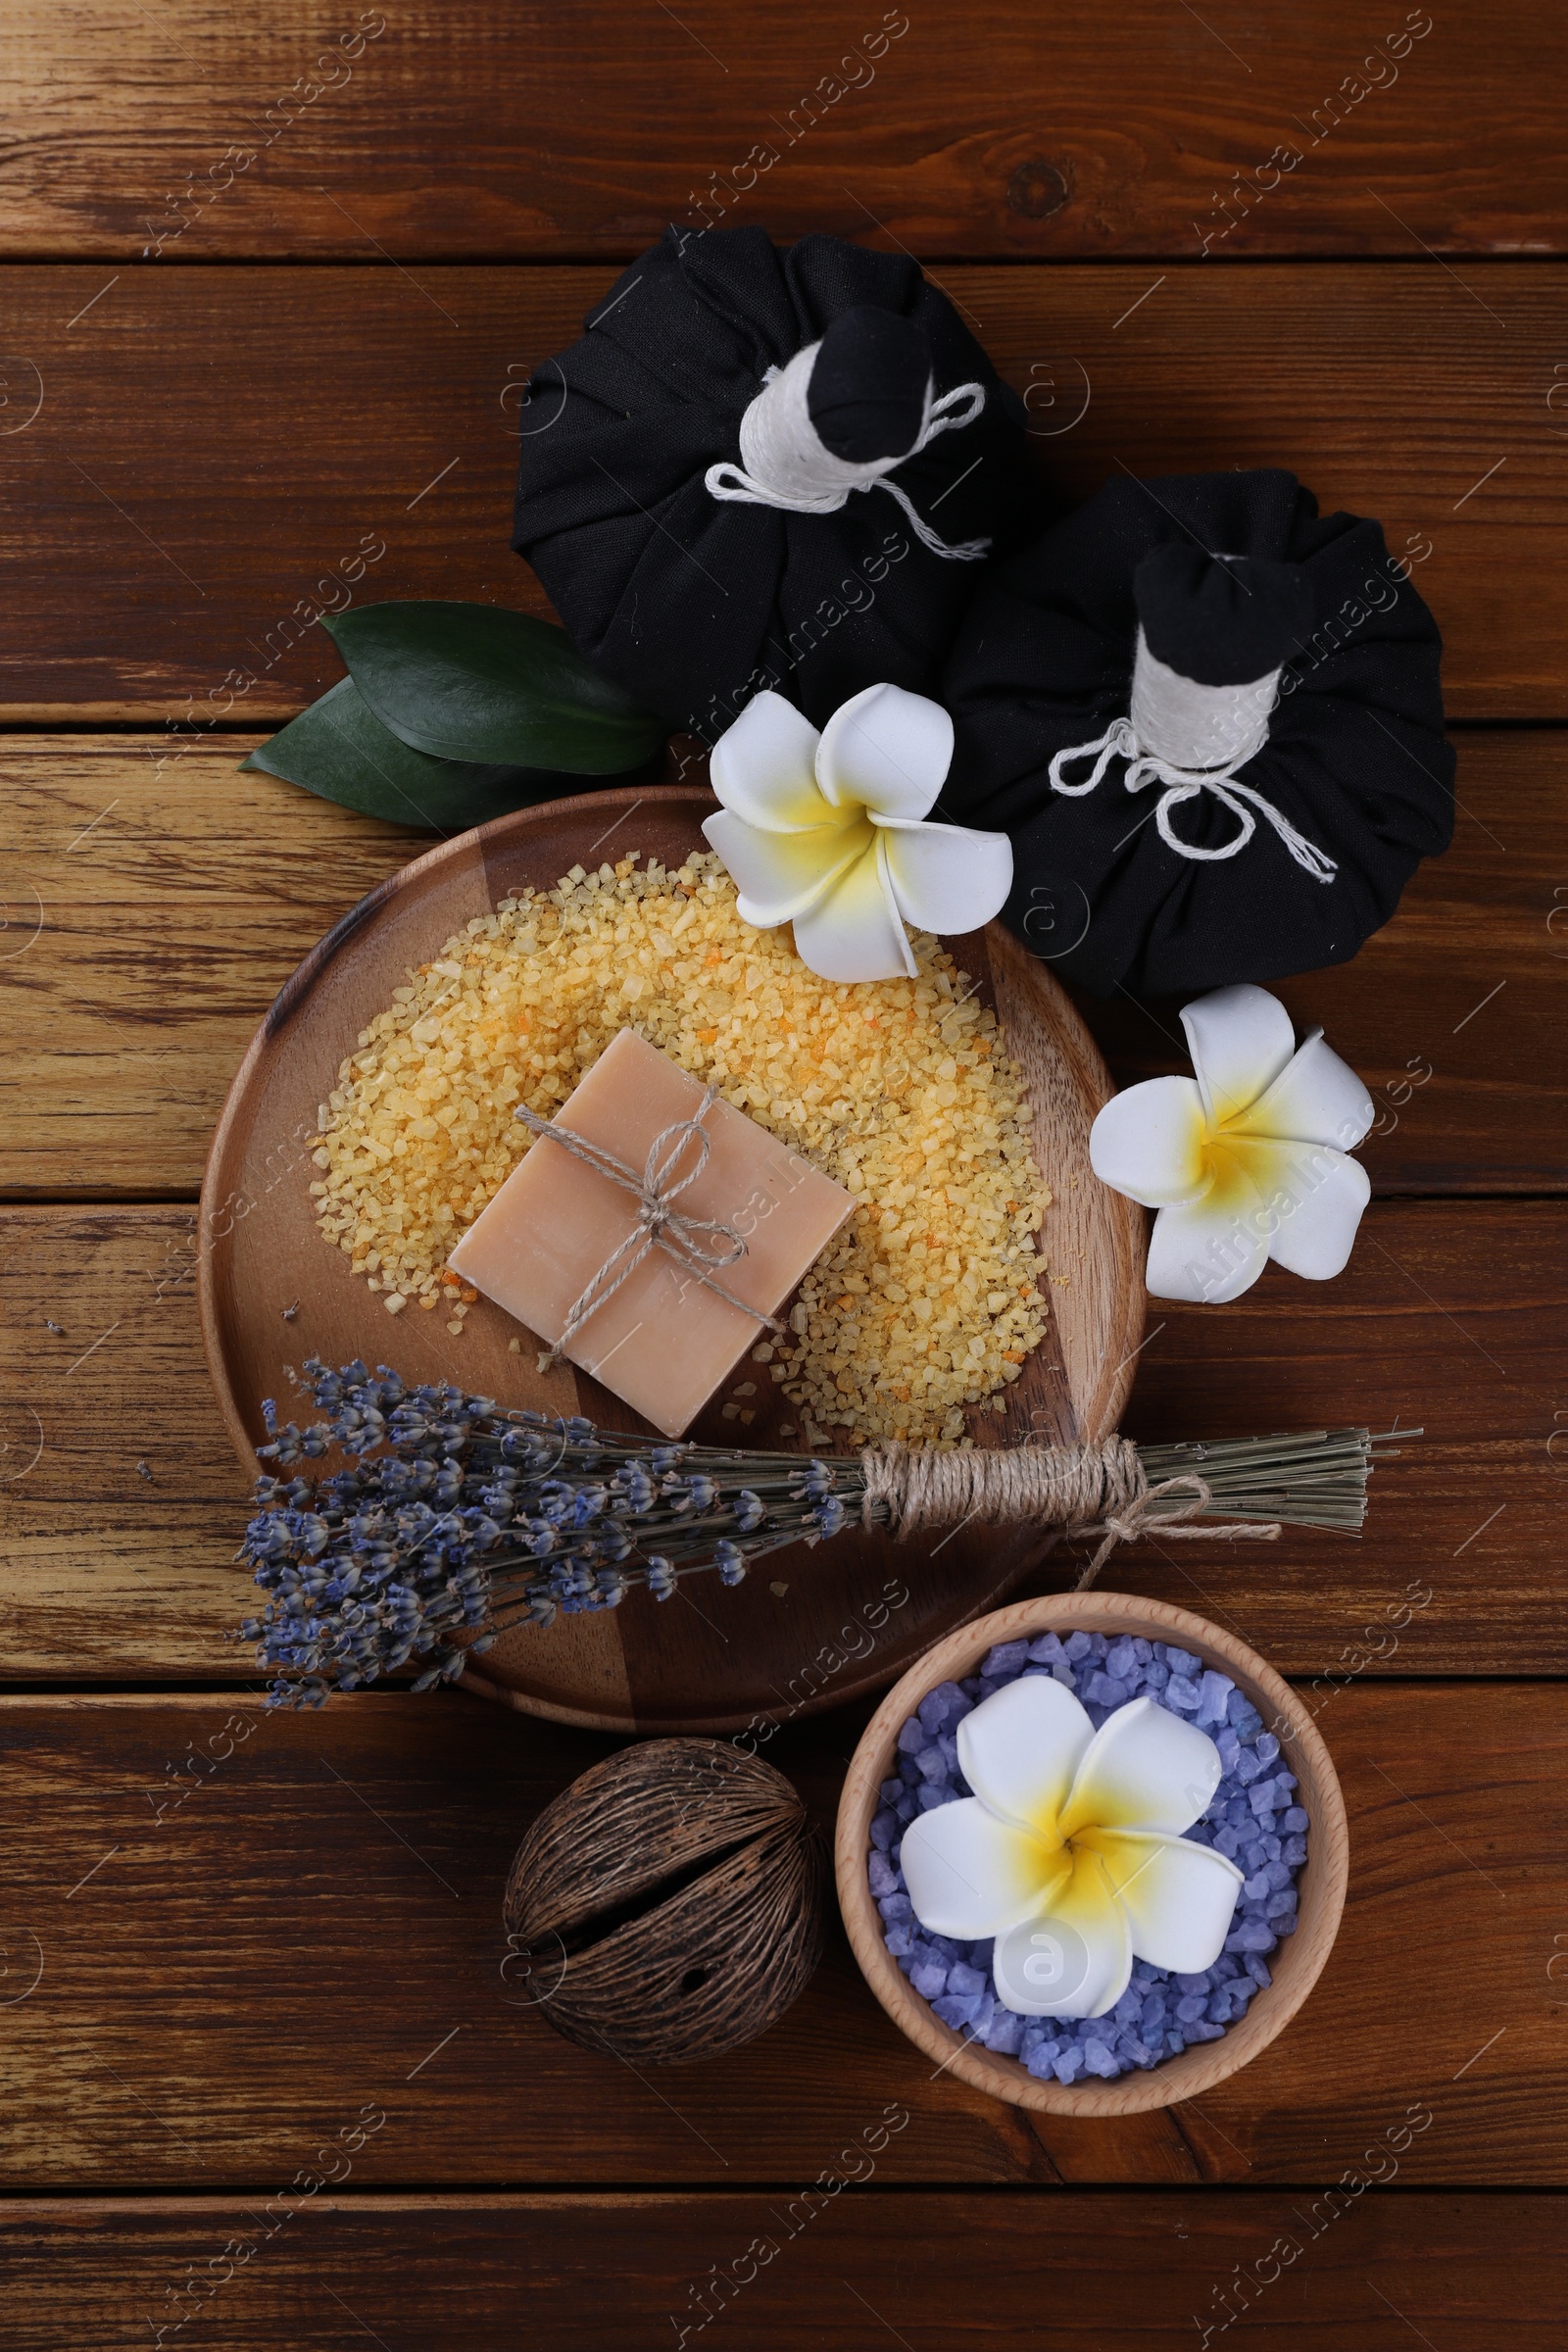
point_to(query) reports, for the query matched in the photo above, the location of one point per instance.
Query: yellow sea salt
(924, 1303)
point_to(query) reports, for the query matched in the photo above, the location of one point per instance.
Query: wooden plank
(1433, 1326)
(203, 459)
(615, 2274)
(154, 910)
(122, 1500)
(1449, 1317)
(297, 130)
(157, 899)
(223, 1985)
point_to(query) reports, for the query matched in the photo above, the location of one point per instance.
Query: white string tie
(785, 462)
(1193, 739)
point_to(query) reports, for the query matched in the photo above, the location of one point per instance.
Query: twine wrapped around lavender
(457, 1519)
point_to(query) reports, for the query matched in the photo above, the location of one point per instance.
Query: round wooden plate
(808, 1629)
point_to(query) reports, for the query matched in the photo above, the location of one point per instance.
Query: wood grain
(454, 133)
(219, 455)
(1297, 1964)
(1450, 1316)
(642, 1665)
(151, 914)
(196, 461)
(155, 901)
(1449, 1319)
(991, 2270)
(318, 1925)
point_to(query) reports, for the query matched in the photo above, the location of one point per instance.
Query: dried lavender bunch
(458, 1516)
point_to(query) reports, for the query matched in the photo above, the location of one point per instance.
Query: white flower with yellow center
(1071, 1850)
(1245, 1160)
(826, 832)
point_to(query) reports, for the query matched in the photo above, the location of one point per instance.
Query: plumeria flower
(825, 831)
(1247, 1160)
(1071, 1850)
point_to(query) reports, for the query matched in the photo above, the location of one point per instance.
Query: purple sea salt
(1213, 1691)
(881, 1874)
(942, 1708)
(956, 2009)
(1005, 2033)
(1254, 1820)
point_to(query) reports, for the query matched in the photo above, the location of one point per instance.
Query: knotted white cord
(1193, 739)
(785, 462)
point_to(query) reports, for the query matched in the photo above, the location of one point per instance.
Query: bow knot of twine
(1191, 739)
(658, 1224)
(1099, 1490)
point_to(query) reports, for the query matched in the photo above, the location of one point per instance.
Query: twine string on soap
(785, 462)
(1084, 1489)
(1172, 723)
(659, 1225)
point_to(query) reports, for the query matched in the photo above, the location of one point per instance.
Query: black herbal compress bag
(1211, 720)
(767, 468)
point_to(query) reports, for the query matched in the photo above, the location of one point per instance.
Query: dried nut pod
(670, 1905)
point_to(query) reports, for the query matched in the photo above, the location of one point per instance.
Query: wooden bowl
(808, 1629)
(1297, 1961)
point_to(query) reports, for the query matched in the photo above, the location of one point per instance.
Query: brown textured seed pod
(670, 1905)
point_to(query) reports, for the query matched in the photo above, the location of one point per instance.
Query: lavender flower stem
(457, 1519)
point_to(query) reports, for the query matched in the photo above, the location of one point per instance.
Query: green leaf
(474, 682)
(338, 748)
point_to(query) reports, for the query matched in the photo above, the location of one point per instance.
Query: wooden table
(270, 290)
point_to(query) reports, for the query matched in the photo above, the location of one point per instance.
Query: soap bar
(664, 1339)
